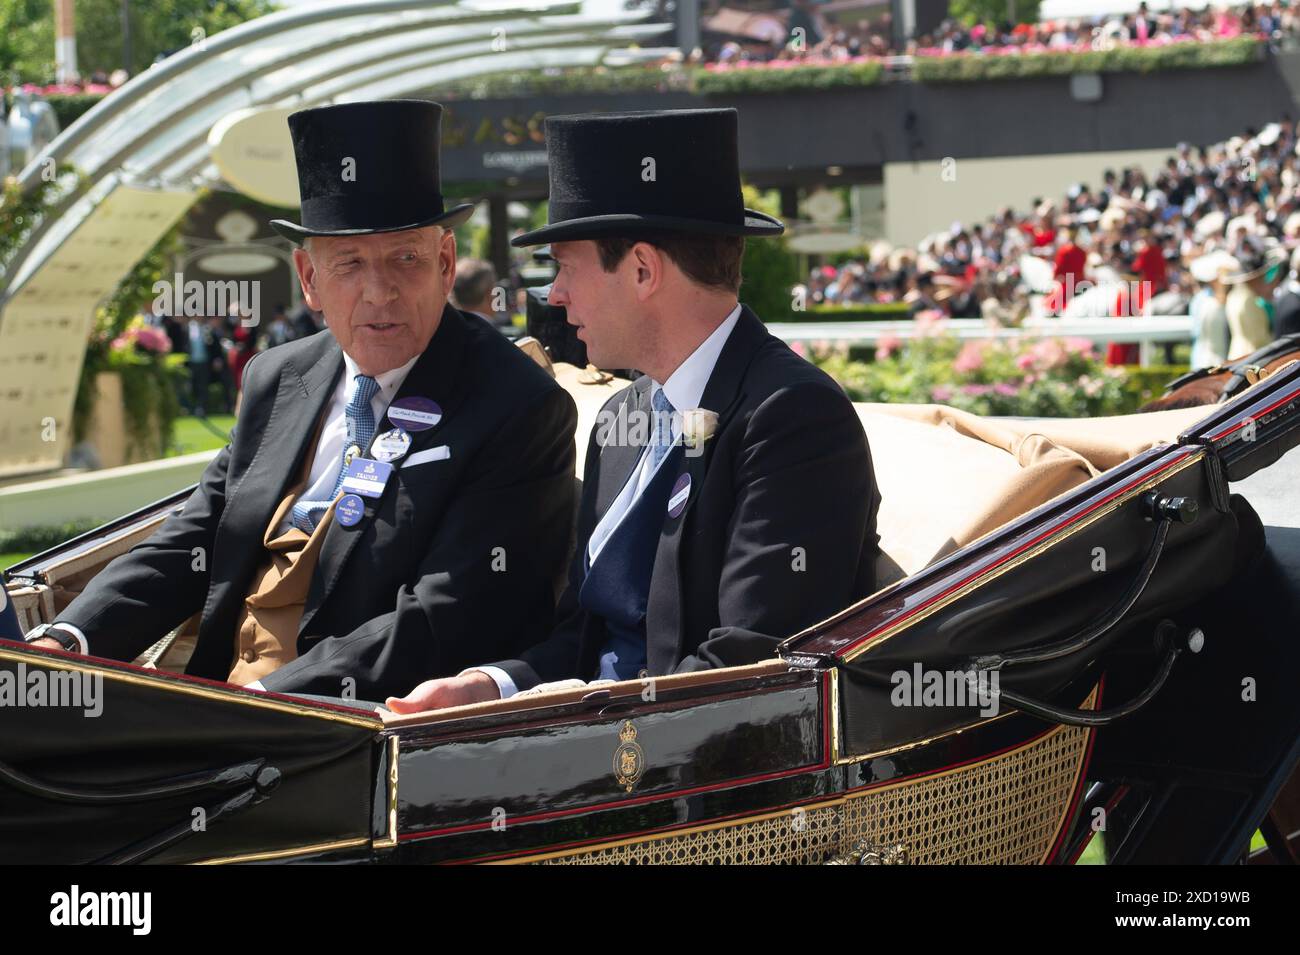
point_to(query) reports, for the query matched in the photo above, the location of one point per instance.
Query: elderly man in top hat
(397, 495)
(729, 499)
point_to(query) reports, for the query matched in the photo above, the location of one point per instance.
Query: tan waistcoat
(266, 636)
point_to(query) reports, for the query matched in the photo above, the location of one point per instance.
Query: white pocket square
(441, 453)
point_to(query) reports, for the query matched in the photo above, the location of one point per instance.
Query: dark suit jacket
(416, 589)
(778, 533)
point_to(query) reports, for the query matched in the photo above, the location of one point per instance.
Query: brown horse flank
(1207, 386)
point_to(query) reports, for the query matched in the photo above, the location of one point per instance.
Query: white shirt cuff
(255, 685)
(76, 632)
(500, 677)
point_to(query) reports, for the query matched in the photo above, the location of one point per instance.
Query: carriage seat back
(948, 477)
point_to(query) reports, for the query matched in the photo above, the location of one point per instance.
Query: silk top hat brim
(631, 226)
(645, 172)
(448, 220)
(369, 167)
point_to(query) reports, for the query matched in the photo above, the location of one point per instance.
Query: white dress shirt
(334, 436)
(329, 449)
(685, 389)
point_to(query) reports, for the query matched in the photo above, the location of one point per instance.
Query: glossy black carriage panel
(121, 764)
(1043, 581)
(455, 783)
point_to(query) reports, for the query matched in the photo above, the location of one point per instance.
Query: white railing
(1146, 331)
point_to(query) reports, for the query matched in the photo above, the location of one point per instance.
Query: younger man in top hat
(728, 497)
(397, 494)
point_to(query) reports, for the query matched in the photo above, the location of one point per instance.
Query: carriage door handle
(1164, 511)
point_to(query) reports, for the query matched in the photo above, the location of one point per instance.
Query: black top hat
(646, 171)
(392, 181)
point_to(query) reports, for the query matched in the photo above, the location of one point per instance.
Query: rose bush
(1051, 377)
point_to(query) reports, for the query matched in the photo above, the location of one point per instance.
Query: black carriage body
(800, 759)
(175, 769)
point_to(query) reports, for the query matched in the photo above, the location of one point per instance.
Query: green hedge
(650, 79)
(889, 312)
(36, 539)
(69, 108)
(1144, 384)
(961, 67)
(568, 81)
(974, 67)
(766, 79)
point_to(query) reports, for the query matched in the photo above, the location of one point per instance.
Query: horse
(1207, 386)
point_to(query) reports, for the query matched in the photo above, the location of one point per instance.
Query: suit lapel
(619, 455)
(434, 375)
(304, 389)
(665, 606)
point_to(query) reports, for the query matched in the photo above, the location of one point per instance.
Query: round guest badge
(415, 413)
(391, 445)
(681, 493)
(349, 510)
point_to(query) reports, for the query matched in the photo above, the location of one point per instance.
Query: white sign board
(45, 327)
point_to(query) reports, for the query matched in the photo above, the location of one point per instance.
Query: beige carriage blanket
(948, 477)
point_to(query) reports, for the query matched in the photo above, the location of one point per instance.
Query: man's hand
(473, 687)
(48, 643)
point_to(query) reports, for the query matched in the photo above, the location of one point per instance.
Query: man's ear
(649, 263)
(307, 277)
(447, 257)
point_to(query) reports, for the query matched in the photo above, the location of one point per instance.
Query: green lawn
(1095, 853)
(193, 436)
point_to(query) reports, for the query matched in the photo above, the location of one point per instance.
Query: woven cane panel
(1006, 809)
(806, 836)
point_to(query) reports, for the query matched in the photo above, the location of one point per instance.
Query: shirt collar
(388, 382)
(685, 386)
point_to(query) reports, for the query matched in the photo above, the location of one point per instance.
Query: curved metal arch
(427, 61)
(193, 163)
(126, 112)
(241, 37)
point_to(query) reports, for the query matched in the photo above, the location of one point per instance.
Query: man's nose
(379, 287)
(557, 295)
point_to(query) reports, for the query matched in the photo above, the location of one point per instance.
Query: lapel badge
(349, 454)
(629, 758)
(681, 493)
(391, 445)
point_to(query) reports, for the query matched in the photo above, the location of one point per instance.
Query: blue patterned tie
(361, 428)
(663, 409)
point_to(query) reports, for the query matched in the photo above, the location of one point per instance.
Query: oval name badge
(415, 413)
(391, 445)
(681, 493)
(349, 510)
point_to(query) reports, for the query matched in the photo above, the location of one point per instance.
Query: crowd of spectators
(812, 35)
(1209, 221)
(217, 347)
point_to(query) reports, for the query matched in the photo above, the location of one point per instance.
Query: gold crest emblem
(629, 758)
